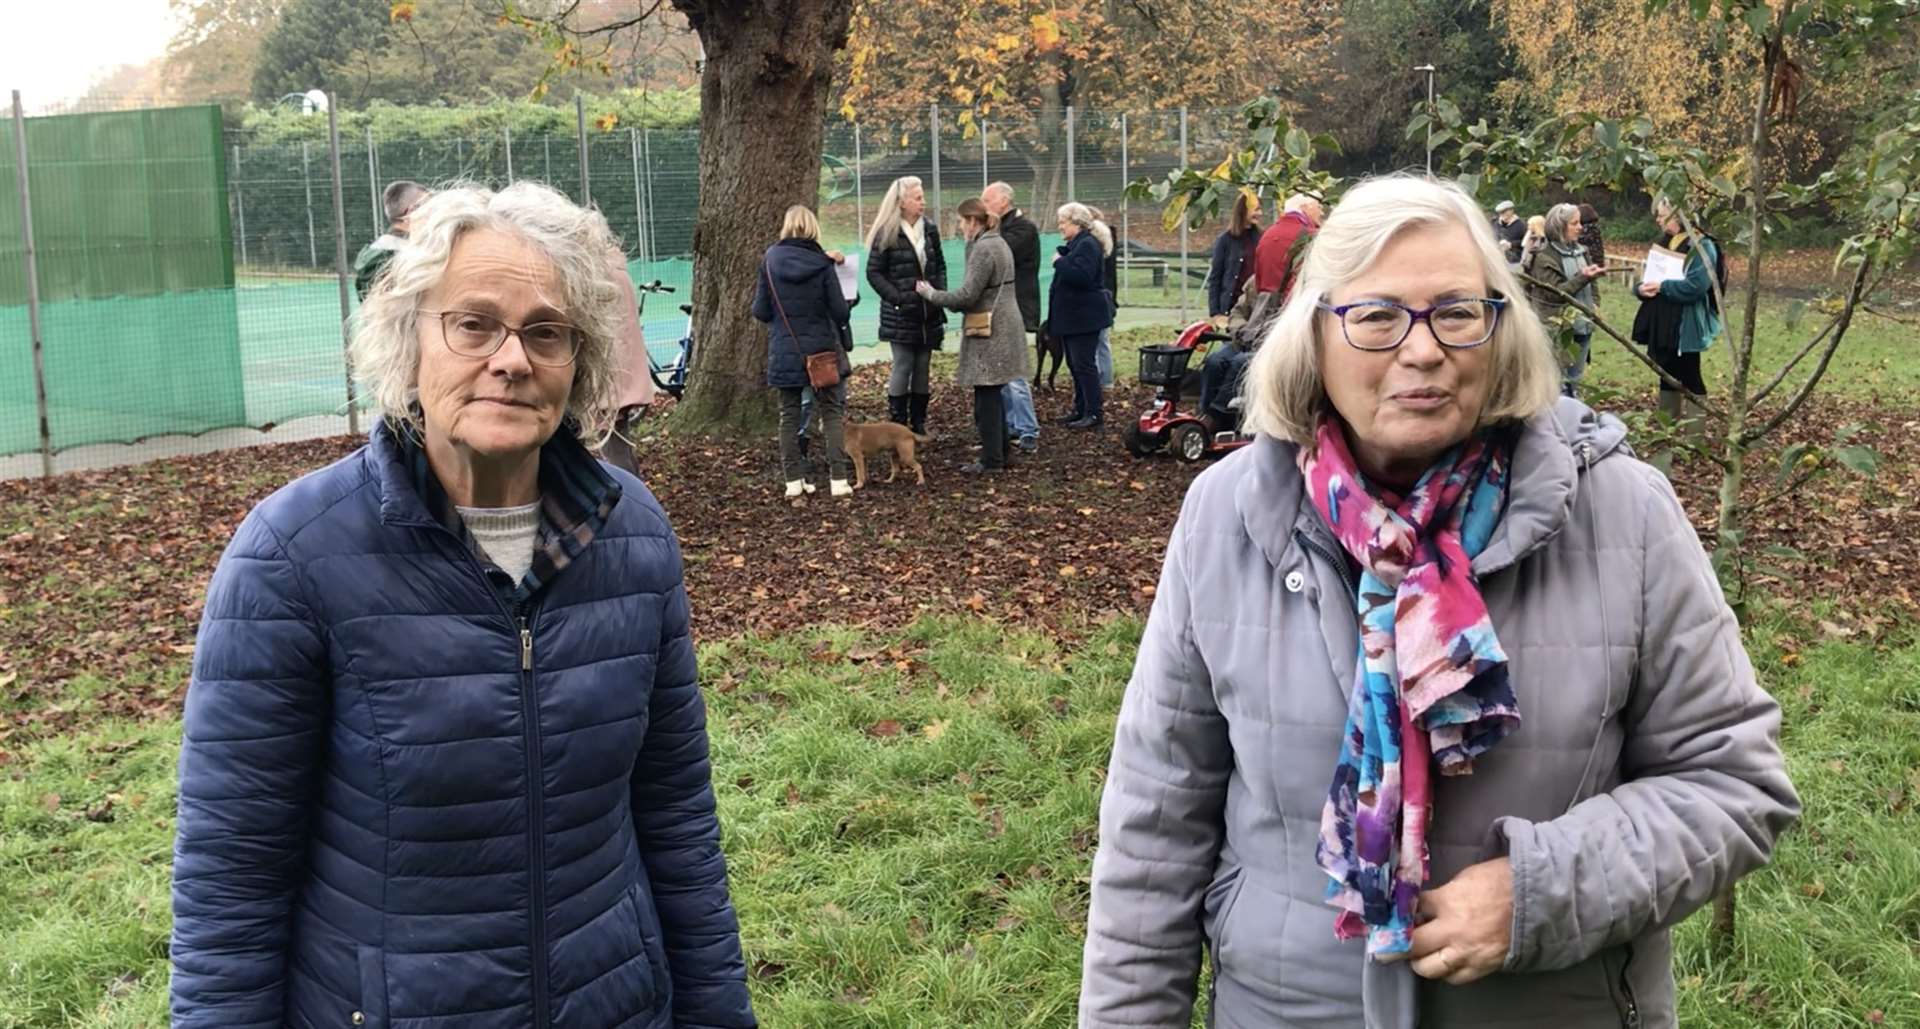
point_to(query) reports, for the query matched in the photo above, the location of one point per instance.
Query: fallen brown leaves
(103, 574)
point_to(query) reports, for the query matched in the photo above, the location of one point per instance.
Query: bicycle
(671, 377)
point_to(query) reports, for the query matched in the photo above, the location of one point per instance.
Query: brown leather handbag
(823, 369)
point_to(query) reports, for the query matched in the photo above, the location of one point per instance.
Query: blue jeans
(1103, 358)
(1022, 423)
(1571, 374)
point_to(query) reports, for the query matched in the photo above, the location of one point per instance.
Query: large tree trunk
(763, 110)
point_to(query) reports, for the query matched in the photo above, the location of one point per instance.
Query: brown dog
(868, 439)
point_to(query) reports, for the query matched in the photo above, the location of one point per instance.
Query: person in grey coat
(1549, 750)
(987, 363)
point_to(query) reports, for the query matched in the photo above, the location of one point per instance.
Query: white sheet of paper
(1663, 264)
(849, 271)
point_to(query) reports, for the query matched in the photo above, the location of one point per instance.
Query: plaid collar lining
(576, 498)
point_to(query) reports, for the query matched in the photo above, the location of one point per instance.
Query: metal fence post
(340, 254)
(933, 123)
(546, 151)
(859, 192)
(306, 180)
(640, 210)
(373, 185)
(1183, 220)
(506, 134)
(1126, 234)
(580, 135)
(25, 193)
(1072, 192)
(646, 159)
(240, 203)
(984, 177)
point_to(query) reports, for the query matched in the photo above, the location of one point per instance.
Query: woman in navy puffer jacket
(799, 298)
(445, 757)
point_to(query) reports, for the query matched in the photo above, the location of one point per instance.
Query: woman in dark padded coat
(444, 757)
(903, 248)
(800, 300)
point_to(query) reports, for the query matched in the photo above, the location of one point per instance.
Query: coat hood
(797, 260)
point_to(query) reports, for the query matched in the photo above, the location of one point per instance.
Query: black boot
(918, 412)
(897, 410)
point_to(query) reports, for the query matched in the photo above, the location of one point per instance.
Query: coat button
(359, 1019)
(1295, 581)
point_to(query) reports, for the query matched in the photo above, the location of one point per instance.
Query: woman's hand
(924, 288)
(1648, 290)
(1468, 927)
(838, 257)
(1593, 271)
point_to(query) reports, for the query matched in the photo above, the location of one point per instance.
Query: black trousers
(1081, 361)
(990, 421)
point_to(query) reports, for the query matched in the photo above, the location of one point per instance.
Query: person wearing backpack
(1678, 320)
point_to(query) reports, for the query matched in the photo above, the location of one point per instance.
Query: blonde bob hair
(1286, 395)
(800, 223)
(386, 333)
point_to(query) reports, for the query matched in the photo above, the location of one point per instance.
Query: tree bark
(763, 109)
(1728, 531)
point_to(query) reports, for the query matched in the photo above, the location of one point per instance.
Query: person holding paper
(1678, 318)
(1560, 266)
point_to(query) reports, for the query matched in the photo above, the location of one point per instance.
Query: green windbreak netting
(138, 312)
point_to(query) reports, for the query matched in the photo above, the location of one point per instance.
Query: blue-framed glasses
(1376, 325)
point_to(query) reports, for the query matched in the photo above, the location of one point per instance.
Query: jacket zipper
(536, 821)
(518, 619)
(1630, 1009)
(1346, 577)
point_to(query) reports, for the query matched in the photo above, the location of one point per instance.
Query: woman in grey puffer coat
(986, 362)
(1541, 629)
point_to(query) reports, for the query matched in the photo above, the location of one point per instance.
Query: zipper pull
(526, 647)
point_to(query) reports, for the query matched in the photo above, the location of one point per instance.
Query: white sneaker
(796, 488)
(841, 488)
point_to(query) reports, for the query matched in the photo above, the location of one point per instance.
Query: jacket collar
(576, 496)
(1551, 452)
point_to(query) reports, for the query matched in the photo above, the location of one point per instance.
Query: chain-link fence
(190, 284)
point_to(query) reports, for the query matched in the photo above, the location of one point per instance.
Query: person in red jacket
(1272, 259)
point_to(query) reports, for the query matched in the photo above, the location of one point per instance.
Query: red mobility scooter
(1168, 426)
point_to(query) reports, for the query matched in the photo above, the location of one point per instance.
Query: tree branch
(1787, 369)
(1820, 370)
(1601, 324)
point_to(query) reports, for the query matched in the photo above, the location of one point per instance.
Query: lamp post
(1428, 68)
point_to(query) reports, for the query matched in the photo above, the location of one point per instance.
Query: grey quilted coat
(1646, 774)
(1001, 358)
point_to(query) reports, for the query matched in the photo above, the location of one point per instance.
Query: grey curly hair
(385, 348)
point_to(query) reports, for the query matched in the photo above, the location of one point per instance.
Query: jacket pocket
(1615, 963)
(1217, 907)
(652, 947)
(373, 988)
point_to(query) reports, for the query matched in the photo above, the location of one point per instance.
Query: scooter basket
(1164, 365)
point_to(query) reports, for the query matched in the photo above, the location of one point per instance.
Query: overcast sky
(52, 50)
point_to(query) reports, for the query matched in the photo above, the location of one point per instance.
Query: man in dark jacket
(1510, 231)
(1023, 238)
(397, 202)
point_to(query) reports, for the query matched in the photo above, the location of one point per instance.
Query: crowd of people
(1438, 718)
(998, 303)
(1561, 258)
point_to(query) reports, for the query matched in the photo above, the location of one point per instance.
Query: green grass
(909, 821)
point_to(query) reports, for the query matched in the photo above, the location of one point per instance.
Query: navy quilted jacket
(405, 803)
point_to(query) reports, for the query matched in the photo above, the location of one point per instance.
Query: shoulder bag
(823, 368)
